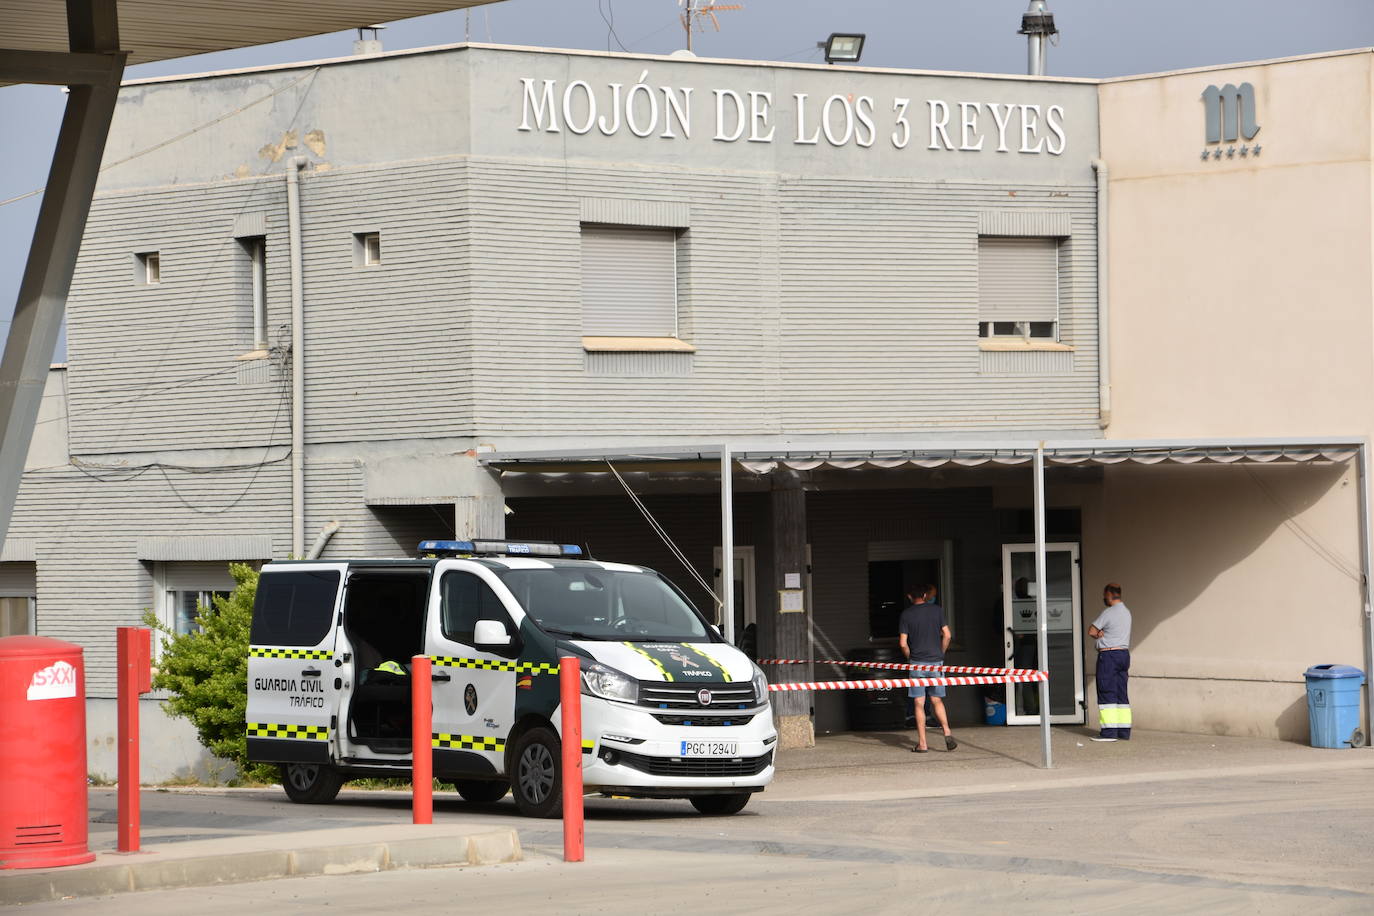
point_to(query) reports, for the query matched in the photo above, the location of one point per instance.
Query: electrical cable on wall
(179, 137)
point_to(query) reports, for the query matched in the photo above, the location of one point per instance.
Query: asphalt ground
(1167, 823)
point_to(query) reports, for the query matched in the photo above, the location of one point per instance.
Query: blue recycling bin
(1333, 705)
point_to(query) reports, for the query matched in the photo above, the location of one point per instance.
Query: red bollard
(570, 695)
(421, 742)
(133, 658)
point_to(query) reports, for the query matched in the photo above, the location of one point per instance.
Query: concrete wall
(168, 748)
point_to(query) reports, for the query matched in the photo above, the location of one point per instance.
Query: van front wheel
(537, 774)
(720, 804)
(310, 783)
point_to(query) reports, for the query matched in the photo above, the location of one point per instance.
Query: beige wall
(1241, 306)
(1238, 579)
(1241, 289)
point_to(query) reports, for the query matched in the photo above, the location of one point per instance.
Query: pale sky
(1098, 38)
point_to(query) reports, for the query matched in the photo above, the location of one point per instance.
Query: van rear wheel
(482, 791)
(310, 783)
(537, 774)
(719, 805)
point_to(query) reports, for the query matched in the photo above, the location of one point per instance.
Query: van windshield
(605, 604)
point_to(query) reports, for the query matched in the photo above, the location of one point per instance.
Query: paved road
(1267, 839)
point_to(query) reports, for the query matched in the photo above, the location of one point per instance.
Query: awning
(1064, 457)
(762, 458)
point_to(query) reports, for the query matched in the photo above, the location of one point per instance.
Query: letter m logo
(1230, 112)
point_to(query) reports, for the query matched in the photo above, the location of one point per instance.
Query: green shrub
(206, 673)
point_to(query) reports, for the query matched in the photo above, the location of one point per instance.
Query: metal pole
(421, 742)
(133, 647)
(293, 217)
(727, 545)
(1041, 613)
(570, 701)
(92, 27)
(1366, 564)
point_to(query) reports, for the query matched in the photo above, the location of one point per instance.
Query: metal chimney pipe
(1037, 24)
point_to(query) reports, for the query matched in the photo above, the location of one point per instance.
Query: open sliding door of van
(293, 680)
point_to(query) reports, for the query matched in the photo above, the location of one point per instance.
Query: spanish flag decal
(525, 682)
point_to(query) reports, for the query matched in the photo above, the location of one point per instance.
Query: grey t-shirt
(1115, 624)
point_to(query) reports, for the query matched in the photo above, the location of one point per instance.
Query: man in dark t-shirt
(924, 637)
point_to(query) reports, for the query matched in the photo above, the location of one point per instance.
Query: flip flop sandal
(920, 750)
(950, 743)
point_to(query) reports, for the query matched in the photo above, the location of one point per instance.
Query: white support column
(92, 71)
(1041, 613)
(1366, 564)
(727, 545)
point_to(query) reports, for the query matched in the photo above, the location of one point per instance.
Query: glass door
(745, 611)
(1063, 606)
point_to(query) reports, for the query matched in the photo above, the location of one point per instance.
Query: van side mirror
(490, 634)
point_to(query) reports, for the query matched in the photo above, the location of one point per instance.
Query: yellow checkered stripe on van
(276, 730)
(271, 652)
(482, 664)
(486, 664)
(537, 668)
(468, 742)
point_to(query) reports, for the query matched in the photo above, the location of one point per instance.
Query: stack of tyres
(1333, 705)
(882, 709)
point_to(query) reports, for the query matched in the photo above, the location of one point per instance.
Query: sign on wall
(753, 116)
(1230, 116)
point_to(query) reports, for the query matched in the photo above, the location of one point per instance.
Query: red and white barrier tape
(903, 666)
(884, 683)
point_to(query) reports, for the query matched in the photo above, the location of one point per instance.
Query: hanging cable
(663, 535)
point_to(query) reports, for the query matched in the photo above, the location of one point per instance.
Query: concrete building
(477, 290)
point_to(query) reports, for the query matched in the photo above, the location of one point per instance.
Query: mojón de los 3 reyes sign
(752, 116)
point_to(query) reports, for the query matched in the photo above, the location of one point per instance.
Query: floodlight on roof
(844, 48)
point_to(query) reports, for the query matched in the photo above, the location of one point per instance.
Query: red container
(42, 753)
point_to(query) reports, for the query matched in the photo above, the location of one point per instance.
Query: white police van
(669, 709)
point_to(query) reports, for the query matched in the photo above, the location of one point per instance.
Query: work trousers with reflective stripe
(1113, 704)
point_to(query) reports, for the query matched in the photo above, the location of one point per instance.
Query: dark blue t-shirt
(923, 625)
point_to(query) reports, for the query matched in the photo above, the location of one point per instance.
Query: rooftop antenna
(695, 11)
(1037, 24)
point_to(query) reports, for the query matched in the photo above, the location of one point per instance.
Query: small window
(1018, 288)
(1019, 330)
(367, 249)
(17, 617)
(149, 267)
(629, 281)
(294, 608)
(185, 606)
(253, 253)
(466, 599)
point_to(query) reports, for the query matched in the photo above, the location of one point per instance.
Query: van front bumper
(628, 751)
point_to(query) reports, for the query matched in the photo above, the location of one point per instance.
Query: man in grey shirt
(1112, 630)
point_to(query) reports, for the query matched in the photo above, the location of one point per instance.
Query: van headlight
(599, 680)
(760, 686)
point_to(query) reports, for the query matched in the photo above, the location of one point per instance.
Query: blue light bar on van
(501, 548)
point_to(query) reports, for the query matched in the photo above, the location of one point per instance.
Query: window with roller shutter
(1018, 288)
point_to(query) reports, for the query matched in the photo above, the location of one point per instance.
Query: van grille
(731, 695)
(693, 720)
(697, 766)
